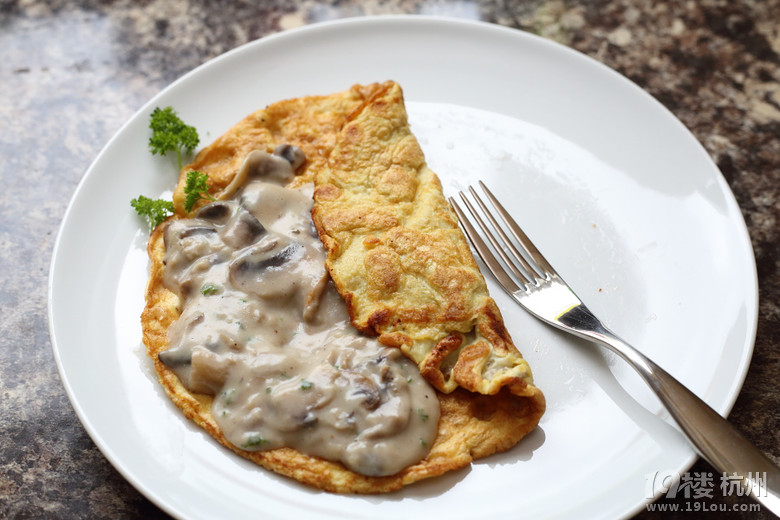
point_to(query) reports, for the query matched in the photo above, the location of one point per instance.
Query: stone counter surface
(72, 73)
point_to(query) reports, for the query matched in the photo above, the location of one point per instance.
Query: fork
(533, 283)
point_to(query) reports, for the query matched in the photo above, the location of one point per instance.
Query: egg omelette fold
(398, 259)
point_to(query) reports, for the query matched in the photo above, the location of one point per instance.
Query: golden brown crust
(471, 425)
(311, 123)
(398, 258)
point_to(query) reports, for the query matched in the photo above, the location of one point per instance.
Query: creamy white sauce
(263, 330)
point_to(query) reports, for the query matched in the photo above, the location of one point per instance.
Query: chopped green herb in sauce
(227, 395)
(209, 289)
(254, 441)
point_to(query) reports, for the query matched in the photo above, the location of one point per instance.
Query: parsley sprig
(171, 134)
(196, 188)
(155, 211)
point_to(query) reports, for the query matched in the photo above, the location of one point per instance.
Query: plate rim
(108, 452)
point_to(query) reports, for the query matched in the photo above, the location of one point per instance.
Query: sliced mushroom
(186, 278)
(209, 370)
(291, 154)
(272, 168)
(175, 358)
(196, 230)
(262, 268)
(260, 258)
(217, 212)
(307, 420)
(242, 230)
(363, 388)
(314, 298)
(172, 232)
(260, 165)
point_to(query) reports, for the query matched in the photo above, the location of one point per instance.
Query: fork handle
(713, 436)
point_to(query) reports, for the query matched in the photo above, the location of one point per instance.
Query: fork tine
(528, 268)
(518, 233)
(492, 239)
(484, 251)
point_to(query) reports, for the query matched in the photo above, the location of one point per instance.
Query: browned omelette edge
(471, 425)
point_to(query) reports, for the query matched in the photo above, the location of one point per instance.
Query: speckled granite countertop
(73, 72)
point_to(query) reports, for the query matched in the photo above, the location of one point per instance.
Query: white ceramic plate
(617, 193)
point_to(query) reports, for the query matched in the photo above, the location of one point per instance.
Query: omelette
(322, 316)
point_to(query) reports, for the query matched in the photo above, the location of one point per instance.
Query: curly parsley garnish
(155, 211)
(196, 189)
(171, 134)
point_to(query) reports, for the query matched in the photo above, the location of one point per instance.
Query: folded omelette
(396, 367)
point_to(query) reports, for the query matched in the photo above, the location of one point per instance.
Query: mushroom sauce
(263, 329)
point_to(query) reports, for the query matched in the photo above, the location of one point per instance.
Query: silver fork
(533, 283)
